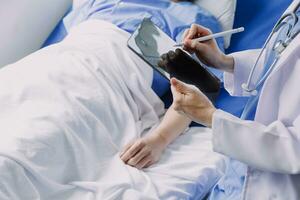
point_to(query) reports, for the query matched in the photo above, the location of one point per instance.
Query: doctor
(264, 144)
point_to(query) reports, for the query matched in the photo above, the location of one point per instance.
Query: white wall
(26, 24)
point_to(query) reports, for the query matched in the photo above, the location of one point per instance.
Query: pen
(216, 35)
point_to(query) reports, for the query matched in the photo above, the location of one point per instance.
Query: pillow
(224, 11)
(26, 24)
(77, 3)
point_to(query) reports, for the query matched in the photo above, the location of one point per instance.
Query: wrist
(226, 63)
(210, 115)
(161, 138)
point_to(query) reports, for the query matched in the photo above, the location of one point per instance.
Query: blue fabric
(230, 186)
(258, 22)
(172, 18)
(258, 17)
(57, 35)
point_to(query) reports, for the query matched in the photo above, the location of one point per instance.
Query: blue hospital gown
(172, 18)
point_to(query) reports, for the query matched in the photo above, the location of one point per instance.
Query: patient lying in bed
(173, 19)
(68, 110)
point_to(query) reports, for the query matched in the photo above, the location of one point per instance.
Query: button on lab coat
(269, 145)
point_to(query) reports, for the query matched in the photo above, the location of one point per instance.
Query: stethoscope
(288, 20)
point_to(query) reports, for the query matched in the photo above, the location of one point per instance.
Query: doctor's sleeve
(274, 148)
(243, 62)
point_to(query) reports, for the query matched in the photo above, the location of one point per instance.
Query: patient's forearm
(172, 125)
(147, 150)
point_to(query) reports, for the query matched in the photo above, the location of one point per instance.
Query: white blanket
(67, 111)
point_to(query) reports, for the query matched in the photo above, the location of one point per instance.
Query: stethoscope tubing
(278, 25)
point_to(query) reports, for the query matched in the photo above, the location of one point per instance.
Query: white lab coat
(269, 145)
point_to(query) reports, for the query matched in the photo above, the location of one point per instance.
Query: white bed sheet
(68, 109)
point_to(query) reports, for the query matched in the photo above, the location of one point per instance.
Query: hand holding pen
(212, 36)
(200, 40)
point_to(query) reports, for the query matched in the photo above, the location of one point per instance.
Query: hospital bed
(68, 110)
(14, 169)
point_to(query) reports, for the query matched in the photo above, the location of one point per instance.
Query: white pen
(216, 35)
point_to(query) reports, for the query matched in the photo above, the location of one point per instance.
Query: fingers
(180, 86)
(178, 95)
(181, 91)
(197, 46)
(136, 154)
(194, 46)
(134, 161)
(132, 151)
(127, 146)
(145, 162)
(148, 164)
(171, 55)
(168, 57)
(200, 30)
(162, 64)
(185, 33)
(178, 90)
(195, 31)
(164, 56)
(166, 61)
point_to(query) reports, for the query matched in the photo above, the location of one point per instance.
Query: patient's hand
(145, 151)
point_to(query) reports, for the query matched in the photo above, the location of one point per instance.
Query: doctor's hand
(208, 51)
(145, 151)
(190, 101)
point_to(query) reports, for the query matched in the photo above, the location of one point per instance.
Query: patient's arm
(172, 125)
(147, 150)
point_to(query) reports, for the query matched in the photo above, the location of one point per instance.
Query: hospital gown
(172, 18)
